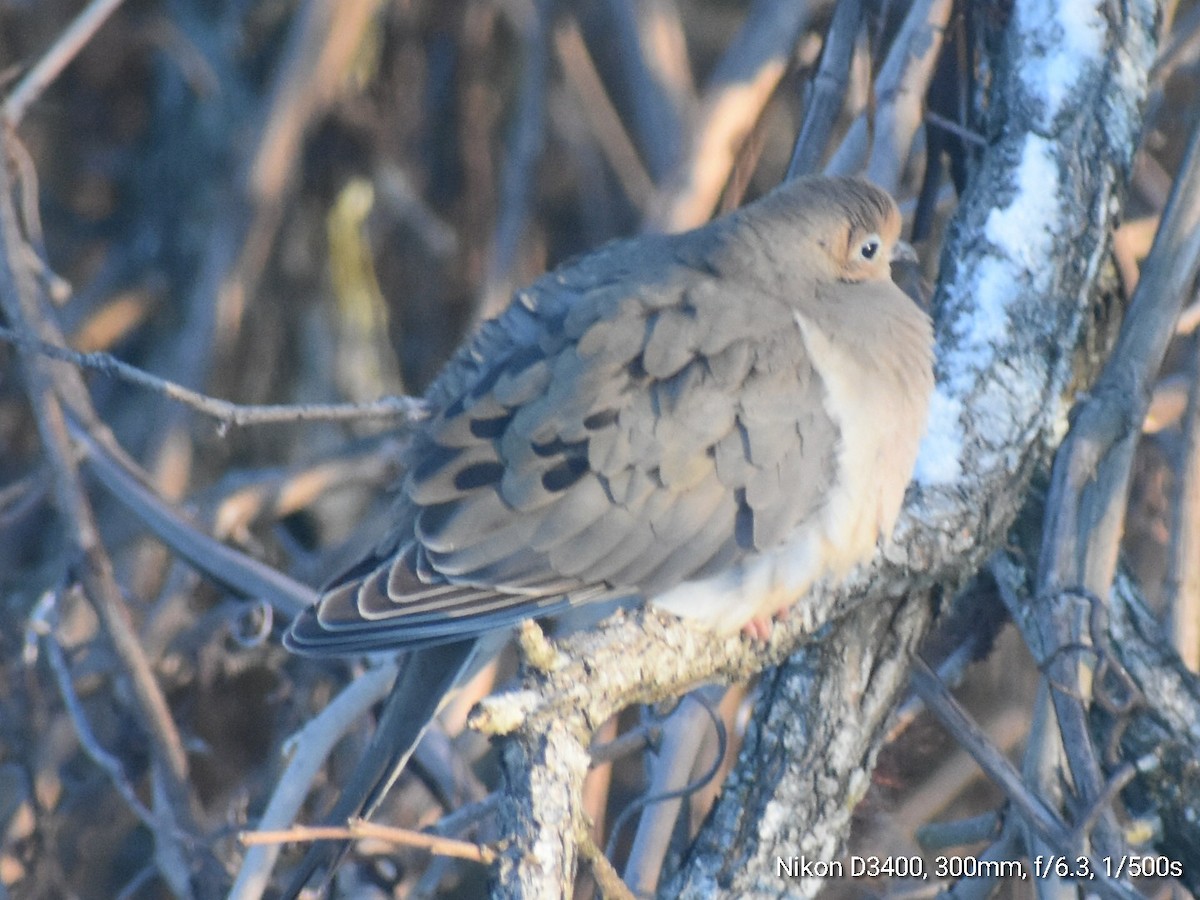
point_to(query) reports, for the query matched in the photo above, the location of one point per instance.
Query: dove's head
(853, 226)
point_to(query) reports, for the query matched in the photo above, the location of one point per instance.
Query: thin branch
(307, 752)
(361, 829)
(732, 102)
(1183, 581)
(1031, 807)
(607, 878)
(901, 88)
(971, 738)
(1090, 484)
(900, 91)
(954, 128)
(57, 58)
(1005, 730)
(937, 836)
(1181, 48)
(1062, 637)
(1091, 471)
(110, 765)
(243, 573)
(827, 92)
(523, 152)
(1007, 846)
(22, 305)
(322, 43)
(411, 409)
(641, 44)
(600, 113)
(1162, 736)
(671, 781)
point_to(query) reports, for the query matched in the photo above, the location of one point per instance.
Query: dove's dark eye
(869, 247)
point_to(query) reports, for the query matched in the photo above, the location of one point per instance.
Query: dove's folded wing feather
(625, 426)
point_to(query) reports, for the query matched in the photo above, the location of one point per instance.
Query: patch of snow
(940, 459)
(1021, 228)
(1070, 41)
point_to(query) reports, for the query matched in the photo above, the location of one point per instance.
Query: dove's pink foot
(759, 628)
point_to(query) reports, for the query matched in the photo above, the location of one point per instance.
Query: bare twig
(1161, 737)
(646, 734)
(827, 92)
(992, 761)
(1004, 730)
(53, 61)
(645, 44)
(83, 730)
(1036, 813)
(307, 751)
(671, 779)
(523, 151)
(361, 829)
(1182, 48)
(935, 836)
(22, 305)
(1092, 469)
(1183, 582)
(239, 239)
(413, 409)
(120, 476)
(597, 108)
(1090, 481)
(23, 496)
(606, 876)
(901, 88)
(729, 106)
(1062, 638)
(1007, 846)
(900, 92)
(954, 128)
(310, 76)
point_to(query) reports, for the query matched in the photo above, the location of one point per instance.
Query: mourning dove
(709, 421)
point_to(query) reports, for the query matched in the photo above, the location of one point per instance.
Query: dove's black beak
(903, 252)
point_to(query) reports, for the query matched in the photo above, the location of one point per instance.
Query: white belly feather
(873, 468)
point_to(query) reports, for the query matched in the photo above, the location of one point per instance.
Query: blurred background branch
(299, 204)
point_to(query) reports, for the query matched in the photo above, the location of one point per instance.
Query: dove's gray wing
(650, 418)
(645, 417)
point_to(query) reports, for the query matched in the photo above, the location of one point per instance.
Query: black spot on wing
(744, 522)
(564, 474)
(489, 429)
(479, 475)
(602, 419)
(637, 368)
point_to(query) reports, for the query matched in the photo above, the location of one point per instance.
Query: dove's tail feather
(424, 681)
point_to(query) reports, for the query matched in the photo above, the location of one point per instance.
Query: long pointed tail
(426, 678)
